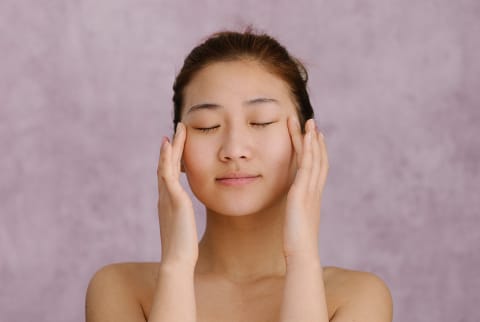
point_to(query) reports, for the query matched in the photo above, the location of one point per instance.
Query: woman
(246, 139)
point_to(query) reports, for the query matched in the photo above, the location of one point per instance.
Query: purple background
(85, 96)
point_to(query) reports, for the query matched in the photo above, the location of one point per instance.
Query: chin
(232, 212)
(243, 207)
(232, 208)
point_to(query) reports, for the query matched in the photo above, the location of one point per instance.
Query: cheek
(278, 147)
(196, 155)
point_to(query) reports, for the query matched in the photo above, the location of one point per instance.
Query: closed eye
(207, 129)
(261, 124)
(213, 128)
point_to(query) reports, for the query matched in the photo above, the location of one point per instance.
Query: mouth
(237, 179)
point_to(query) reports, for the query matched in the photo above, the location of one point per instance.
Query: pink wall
(85, 96)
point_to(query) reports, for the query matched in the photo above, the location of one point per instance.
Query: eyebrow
(213, 106)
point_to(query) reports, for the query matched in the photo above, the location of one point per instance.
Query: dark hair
(262, 48)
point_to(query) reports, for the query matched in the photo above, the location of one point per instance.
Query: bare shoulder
(115, 292)
(361, 296)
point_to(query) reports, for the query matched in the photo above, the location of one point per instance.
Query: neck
(243, 248)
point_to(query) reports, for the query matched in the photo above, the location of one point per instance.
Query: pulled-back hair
(262, 48)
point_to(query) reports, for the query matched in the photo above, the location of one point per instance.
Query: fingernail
(178, 128)
(312, 124)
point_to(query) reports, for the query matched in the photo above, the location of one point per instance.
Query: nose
(235, 145)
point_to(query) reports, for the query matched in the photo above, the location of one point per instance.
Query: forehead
(228, 83)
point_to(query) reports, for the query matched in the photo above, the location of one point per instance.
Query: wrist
(303, 261)
(176, 268)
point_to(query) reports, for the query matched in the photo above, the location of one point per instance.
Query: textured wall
(85, 92)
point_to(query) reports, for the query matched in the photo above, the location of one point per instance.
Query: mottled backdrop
(85, 97)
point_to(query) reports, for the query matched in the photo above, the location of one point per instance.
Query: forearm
(174, 298)
(304, 294)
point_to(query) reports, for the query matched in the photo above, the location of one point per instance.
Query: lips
(237, 179)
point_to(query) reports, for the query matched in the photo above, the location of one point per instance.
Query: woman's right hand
(178, 229)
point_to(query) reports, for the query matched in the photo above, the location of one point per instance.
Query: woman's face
(238, 155)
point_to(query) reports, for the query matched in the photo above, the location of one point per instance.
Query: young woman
(246, 139)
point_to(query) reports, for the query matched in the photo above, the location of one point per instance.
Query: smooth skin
(227, 276)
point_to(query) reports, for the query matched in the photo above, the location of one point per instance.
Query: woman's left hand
(302, 218)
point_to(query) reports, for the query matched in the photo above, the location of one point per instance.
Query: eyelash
(261, 124)
(213, 128)
(207, 129)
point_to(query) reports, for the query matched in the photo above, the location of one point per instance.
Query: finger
(325, 164)
(308, 147)
(178, 145)
(162, 163)
(160, 154)
(296, 136)
(316, 159)
(170, 189)
(168, 160)
(304, 171)
(166, 173)
(162, 159)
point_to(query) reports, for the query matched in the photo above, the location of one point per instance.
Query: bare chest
(223, 302)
